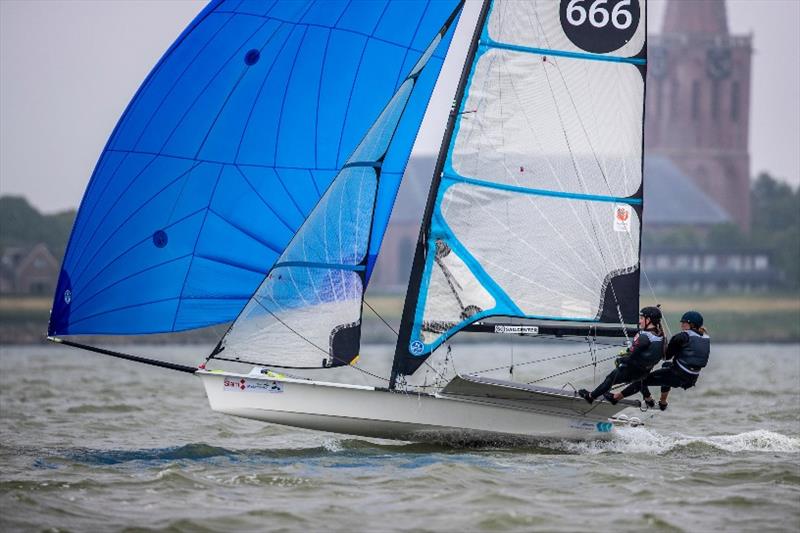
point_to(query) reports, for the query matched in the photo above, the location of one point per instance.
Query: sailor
(689, 351)
(636, 362)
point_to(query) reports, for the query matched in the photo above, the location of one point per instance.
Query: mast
(418, 266)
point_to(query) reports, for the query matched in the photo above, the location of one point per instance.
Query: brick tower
(698, 101)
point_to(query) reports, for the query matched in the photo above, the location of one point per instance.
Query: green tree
(22, 225)
(776, 224)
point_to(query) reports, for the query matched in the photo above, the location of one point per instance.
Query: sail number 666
(598, 15)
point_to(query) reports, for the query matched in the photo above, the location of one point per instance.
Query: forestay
(535, 210)
(307, 311)
(225, 150)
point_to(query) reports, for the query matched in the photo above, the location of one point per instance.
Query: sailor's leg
(647, 396)
(632, 389)
(667, 379)
(604, 387)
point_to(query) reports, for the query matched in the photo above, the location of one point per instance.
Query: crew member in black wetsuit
(636, 362)
(689, 351)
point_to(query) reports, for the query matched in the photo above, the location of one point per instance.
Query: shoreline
(772, 318)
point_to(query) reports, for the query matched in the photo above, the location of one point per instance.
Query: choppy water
(89, 443)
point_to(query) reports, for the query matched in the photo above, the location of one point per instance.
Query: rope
(505, 367)
(571, 370)
(287, 326)
(379, 316)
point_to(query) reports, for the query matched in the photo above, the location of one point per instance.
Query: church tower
(698, 101)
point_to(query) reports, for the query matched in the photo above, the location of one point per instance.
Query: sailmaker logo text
(244, 385)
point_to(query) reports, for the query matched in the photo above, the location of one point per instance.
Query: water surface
(88, 443)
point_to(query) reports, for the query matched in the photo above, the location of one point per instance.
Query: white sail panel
(315, 288)
(297, 329)
(540, 190)
(551, 256)
(552, 123)
(538, 24)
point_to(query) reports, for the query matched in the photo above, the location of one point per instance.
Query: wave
(646, 441)
(194, 451)
(105, 408)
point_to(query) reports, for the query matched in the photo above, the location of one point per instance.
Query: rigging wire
(379, 316)
(542, 360)
(439, 375)
(571, 370)
(309, 341)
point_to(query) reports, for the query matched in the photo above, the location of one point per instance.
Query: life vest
(694, 355)
(648, 357)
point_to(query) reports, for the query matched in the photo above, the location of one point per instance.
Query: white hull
(371, 412)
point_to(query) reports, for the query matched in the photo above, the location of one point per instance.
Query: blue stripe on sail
(491, 43)
(313, 264)
(543, 192)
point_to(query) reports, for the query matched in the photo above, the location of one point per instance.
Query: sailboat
(252, 177)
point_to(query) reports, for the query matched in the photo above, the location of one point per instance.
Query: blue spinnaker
(225, 150)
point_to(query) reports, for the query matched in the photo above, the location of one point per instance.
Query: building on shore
(28, 271)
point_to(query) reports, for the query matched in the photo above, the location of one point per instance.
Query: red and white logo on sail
(622, 217)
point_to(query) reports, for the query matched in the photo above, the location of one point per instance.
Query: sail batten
(536, 209)
(541, 192)
(563, 53)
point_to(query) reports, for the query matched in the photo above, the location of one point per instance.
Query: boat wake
(646, 441)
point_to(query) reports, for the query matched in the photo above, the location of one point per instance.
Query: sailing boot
(609, 396)
(586, 395)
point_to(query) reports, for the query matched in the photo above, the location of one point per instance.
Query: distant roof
(672, 197)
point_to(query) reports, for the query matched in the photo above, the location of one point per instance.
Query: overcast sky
(68, 69)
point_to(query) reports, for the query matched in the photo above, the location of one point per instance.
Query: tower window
(695, 100)
(715, 99)
(674, 97)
